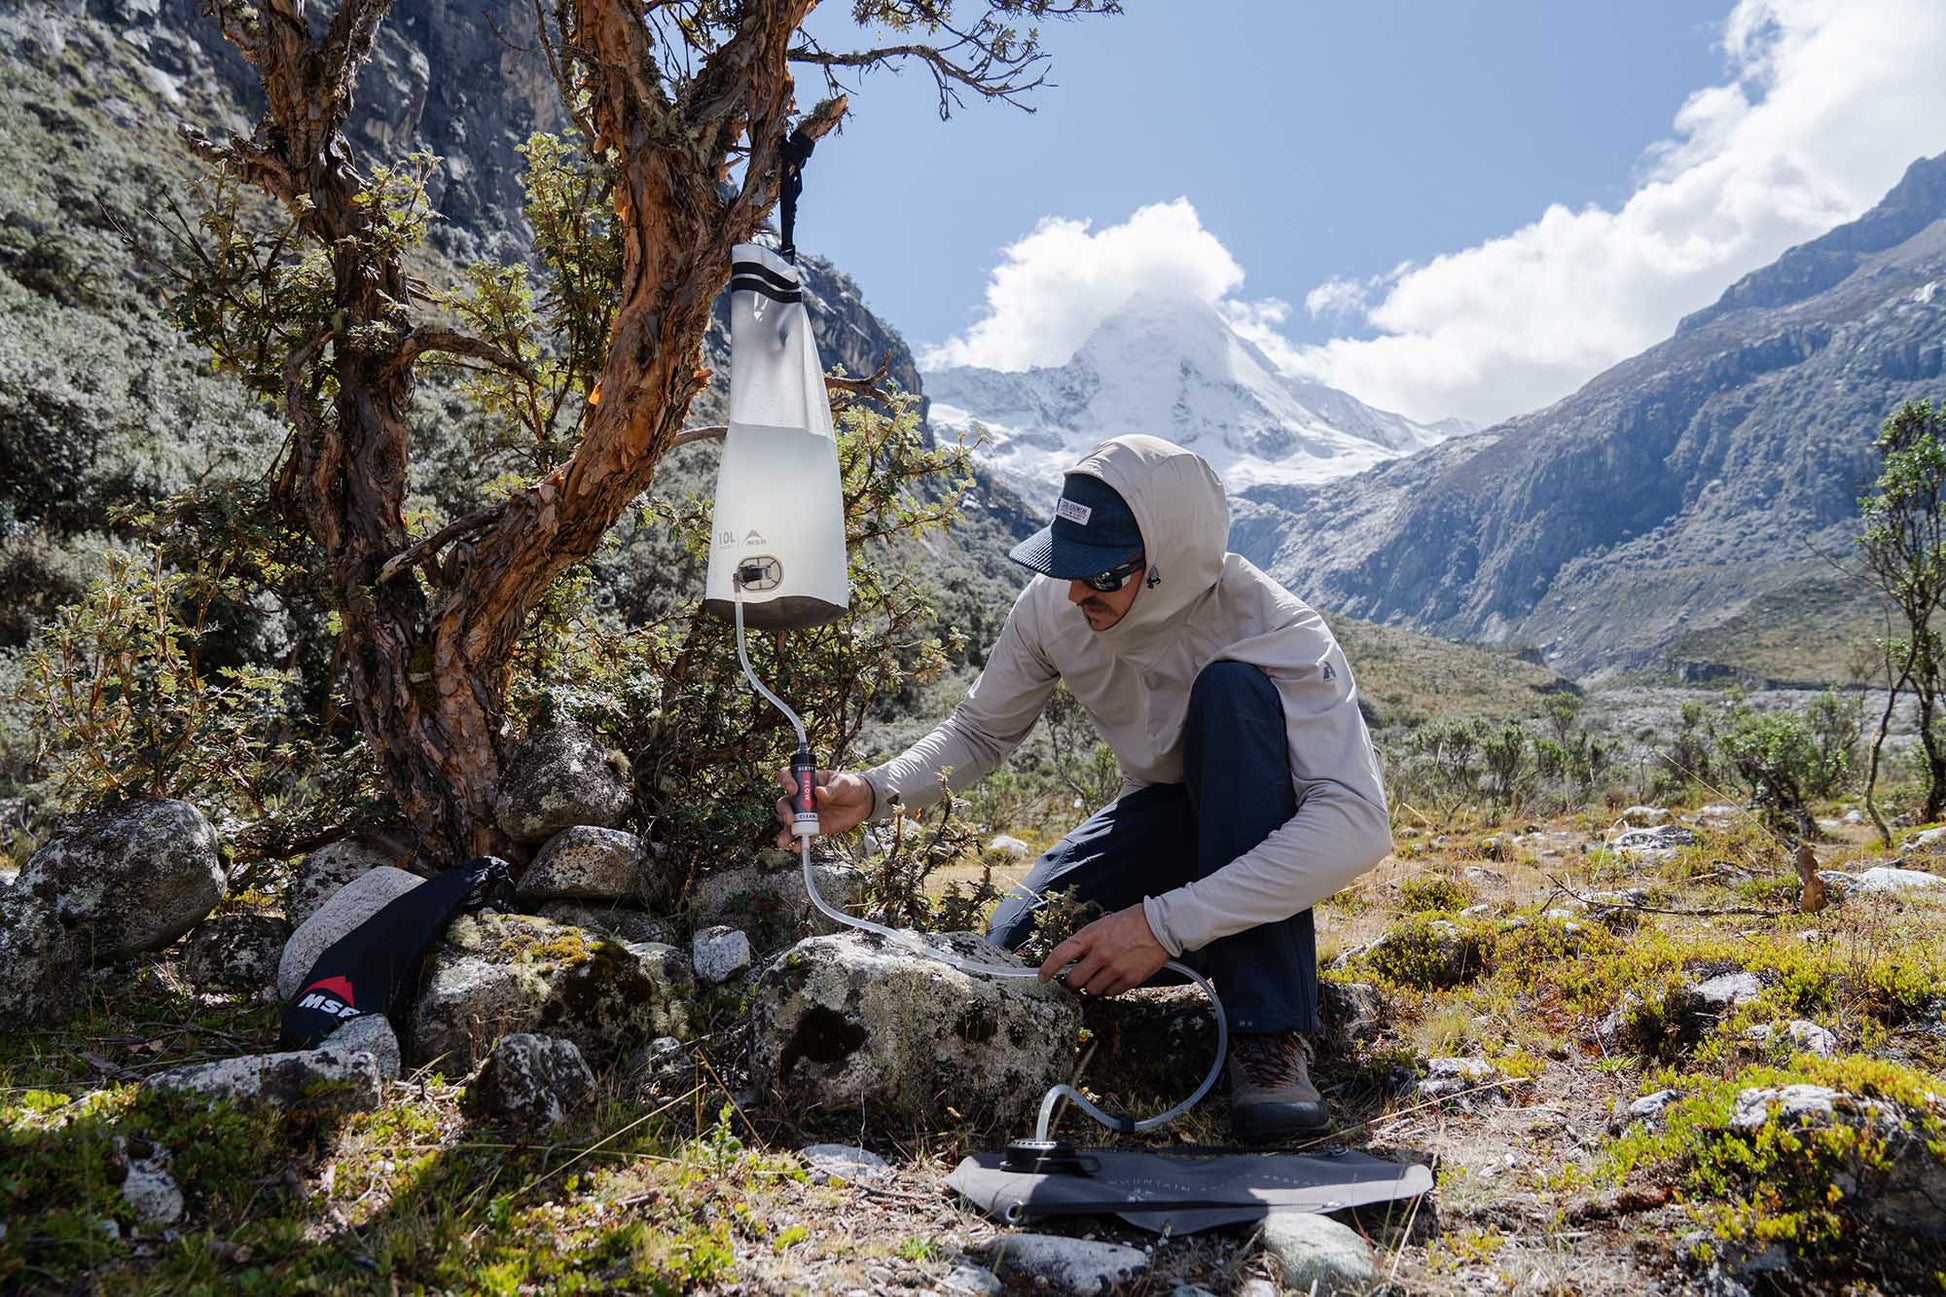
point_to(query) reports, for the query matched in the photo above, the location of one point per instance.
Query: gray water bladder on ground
(1180, 1193)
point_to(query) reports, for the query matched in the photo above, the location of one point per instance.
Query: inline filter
(778, 531)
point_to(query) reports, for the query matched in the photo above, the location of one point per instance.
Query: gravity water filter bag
(780, 517)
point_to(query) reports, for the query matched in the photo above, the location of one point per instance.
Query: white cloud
(1826, 104)
(1056, 284)
(1339, 298)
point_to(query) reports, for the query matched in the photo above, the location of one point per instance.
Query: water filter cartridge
(779, 525)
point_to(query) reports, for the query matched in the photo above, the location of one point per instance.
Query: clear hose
(906, 939)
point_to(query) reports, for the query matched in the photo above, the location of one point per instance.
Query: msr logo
(332, 995)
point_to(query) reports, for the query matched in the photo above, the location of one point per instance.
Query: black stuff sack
(374, 968)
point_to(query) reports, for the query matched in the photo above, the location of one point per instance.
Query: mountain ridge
(1670, 491)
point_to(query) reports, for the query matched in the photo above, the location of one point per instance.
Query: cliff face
(1669, 493)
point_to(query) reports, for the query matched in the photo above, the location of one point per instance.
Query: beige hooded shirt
(1199, 604)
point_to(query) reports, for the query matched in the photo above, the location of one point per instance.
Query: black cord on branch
(794, 152)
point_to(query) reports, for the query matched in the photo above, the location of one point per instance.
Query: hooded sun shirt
(1199, 604)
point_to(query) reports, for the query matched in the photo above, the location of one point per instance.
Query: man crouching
(1250, 788)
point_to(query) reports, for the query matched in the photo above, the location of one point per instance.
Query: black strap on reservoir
(795, 152)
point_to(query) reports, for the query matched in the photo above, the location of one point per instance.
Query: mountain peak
(1808, 269)
(1170, 365)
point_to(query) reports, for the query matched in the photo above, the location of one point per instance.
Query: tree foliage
(1903, 544)
(584, 363)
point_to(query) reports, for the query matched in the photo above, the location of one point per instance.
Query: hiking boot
(1271, 1095)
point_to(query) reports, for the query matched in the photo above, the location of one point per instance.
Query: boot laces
(1269, 1061)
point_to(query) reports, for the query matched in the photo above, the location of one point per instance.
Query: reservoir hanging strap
(795, 152)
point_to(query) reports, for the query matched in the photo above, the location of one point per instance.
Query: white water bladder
(779, 525)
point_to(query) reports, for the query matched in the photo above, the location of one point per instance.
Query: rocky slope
(1174, 368)
(1677, 504)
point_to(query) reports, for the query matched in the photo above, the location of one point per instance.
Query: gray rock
(1072, 1266)
(327, 1079)
(235, 952)
(498, 973)
(1318, 1255)
(319, 875)
(1646, 1110)
(622, 922)
(1719, 815)
(1450, 1076)
(1926, 839)
(1661, 843)
(850, 1021)
(130, 878)
(768, 901)
(1791, 1105)
(1006, 844)
(1257, 1288)
(978, 1281)
(370, 1033)
(1194, 1290)
(1885, 880)
(588, 863)
(1726, 991)
(1645, 817)
(350, 906)
(557, 779)
(151, 1192)
(845, 1162)
(532, 1082)
(720, 953)
(39, 966)
(1811, 1038)
(1354, 1010)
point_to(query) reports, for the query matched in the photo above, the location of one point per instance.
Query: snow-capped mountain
(1173, 368)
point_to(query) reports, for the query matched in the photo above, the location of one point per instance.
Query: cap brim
(1067, 560)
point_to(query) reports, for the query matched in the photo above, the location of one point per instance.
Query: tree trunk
(427, 664)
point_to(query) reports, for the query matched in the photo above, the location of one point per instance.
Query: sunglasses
(1114, 578)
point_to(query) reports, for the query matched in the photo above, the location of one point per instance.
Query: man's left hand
(1109, 956)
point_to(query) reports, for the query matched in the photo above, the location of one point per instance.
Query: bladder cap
(779, 525)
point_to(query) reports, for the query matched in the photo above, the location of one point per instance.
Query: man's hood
(1178, 503)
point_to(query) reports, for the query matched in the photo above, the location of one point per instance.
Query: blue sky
(1550, 152)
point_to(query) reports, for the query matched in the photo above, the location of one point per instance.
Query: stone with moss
(1805, 1157)
(622, 922)
(557, 779)
(326, 1079)
(766, 898)
(236, 952)
(590, 863)
(130, 877)
(853, 1021)
(38, 962)
(493, 974)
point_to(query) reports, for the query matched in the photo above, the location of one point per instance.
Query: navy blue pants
(1236, 790)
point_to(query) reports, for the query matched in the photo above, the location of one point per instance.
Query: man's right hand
(844, 801)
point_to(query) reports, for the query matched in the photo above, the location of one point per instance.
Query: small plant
(1434, 894)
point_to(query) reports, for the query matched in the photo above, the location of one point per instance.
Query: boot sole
(1260, 1122)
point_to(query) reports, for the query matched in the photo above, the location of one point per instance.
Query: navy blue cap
(1093, 530)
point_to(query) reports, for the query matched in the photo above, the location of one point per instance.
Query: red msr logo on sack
(330, 995)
